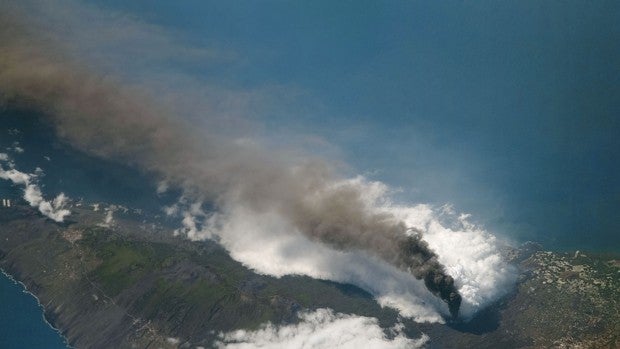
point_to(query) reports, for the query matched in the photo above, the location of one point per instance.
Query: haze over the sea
(508, 111)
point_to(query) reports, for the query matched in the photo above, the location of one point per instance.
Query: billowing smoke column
(339, 217)
(108, 119)
(422, 263)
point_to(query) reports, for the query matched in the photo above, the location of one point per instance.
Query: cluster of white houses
(6, 202)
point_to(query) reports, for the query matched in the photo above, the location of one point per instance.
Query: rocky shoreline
(41, 306)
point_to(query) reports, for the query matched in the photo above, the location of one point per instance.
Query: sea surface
(22, 324)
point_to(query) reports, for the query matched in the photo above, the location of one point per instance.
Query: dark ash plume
(106, 118)
(416, 252)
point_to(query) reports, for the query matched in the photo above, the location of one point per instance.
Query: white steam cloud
(470, 255)
(269, 244)
(54, 209)
(321, 329)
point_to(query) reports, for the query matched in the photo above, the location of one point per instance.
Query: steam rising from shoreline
(100, 115)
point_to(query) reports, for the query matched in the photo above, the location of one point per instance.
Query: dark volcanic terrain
(133, 284)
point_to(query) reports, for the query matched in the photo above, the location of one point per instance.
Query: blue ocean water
(21, 320)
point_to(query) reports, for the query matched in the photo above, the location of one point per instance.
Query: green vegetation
(127, 287)
(198, 283)
(124, 262)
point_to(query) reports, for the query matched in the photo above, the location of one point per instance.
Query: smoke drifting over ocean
(265, 201)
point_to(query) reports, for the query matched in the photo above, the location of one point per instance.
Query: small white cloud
(108, 221)
(172, 340)
(4, 157)
(15, 176)
(171, 210)
(321, 329)
(162, 187)
(16, 148)
(192, 226)
(54, 210)
(60, 201)
(33, 195)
